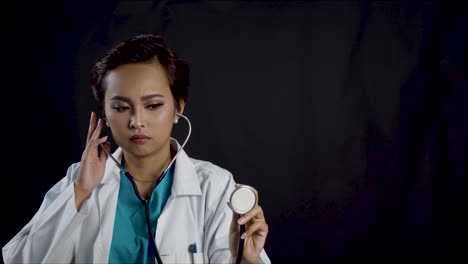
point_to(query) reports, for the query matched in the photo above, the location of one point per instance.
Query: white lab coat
(196, 212)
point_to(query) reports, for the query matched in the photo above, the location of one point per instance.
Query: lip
(139, 139)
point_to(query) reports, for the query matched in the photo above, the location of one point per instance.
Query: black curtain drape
(349, 117)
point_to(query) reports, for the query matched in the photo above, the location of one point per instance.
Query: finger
(104, 151)
(91, 126)
(97, 130)
(91, 147)
(107, 146)
(94, 143)
(259, 227)
(255, 213)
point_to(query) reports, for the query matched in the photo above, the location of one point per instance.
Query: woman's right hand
(92, 163)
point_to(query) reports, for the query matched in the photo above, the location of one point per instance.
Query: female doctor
(103, 209)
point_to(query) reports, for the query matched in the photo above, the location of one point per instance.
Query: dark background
(349, 117)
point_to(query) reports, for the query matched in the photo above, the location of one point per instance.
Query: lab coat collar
(186, 181)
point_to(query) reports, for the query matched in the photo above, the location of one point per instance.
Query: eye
(120, 108)
(154, 106)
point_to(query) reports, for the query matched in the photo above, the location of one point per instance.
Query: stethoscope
(242, 199)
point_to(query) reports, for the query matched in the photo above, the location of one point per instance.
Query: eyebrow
(143, 98)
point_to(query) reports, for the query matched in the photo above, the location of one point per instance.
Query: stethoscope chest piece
(243, 199)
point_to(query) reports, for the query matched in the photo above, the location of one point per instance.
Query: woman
(148, 202)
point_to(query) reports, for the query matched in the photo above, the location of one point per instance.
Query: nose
(136, 121)
(136, 125)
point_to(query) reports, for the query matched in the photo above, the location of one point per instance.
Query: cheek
(118, 123)
(164, 119)
(165, 115)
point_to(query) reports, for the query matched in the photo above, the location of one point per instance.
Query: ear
(102, 115)
(181, 106)
(107, 122)
(179, 110)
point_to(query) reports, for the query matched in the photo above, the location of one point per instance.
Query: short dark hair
(142, 49)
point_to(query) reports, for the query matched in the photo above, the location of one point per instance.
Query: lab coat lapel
(107, 203)
(176, 223)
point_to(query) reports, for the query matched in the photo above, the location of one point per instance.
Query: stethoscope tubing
(145, 202)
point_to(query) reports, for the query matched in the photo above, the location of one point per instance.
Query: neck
(149, 168)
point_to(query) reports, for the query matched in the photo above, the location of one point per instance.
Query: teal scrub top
(130, 239)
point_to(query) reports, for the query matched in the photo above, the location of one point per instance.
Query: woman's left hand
(256, 231)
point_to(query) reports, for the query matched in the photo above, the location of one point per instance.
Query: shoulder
(72, 170)
(205, 167)
(73, 167)
(212, 174)
(216, 185)
(64, 183)
(71, 174)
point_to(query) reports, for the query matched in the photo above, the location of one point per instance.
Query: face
(140, 109)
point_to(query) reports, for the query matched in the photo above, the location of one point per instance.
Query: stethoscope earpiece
(180, 115)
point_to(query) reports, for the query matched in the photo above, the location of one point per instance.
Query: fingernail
(241, 220)
(243, 236)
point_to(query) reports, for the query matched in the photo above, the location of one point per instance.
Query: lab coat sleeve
(218, 226)
(49, 237)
